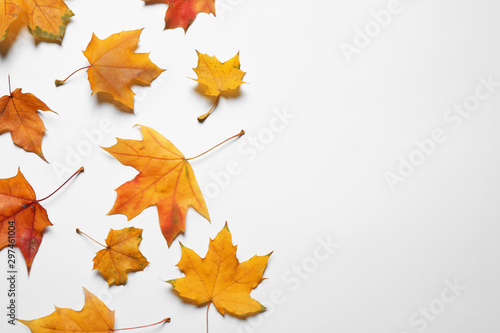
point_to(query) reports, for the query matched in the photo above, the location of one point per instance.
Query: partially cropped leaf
(220, 278)
(95, 316)
(181, 13)
(46, 18)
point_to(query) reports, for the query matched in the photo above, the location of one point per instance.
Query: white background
(321, 177)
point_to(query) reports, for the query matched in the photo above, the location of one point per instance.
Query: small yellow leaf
(121, 256)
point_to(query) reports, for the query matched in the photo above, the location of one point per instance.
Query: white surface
(322, 175)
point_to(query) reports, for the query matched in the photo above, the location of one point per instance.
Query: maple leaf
(114, 66)
(95, 316)
(19, 116)
(181, 13)
(22, 218)
(220, 278)
(46, 18)
(216, 78)
(166, 180)
(120, 256)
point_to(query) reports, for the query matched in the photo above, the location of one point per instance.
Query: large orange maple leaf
(165, 179)
(220, 278)
(19, 116)
(114, 66)
(22, 218)
(46, 18)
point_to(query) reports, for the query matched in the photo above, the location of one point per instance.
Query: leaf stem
(208, 307)
(81, 232)
(61, 82)
(234, 136)
(166, 320)
(76, 173)
(204, 116)
(10, 90)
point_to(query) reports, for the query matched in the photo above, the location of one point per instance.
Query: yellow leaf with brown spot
(46, 18)
(220, 278)
(120, 256)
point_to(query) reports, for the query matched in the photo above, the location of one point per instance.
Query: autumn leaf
(120, 255)
(220, 278)
(46, 18)
(94, 317)
(19, 116)
(215, 77)
(22, 218)
(181, 13)
(165, 179)
(114, 66)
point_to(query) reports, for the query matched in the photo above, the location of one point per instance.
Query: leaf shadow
(107, 98)
(12, 34)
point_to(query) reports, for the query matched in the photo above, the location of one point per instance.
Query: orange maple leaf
(220, 278)
(114, 66)
(19, 116)
(166, 180)
(216, 78)
(181, 13)
(120, 256)
(22, 218)
(94, 317)
(46, 18)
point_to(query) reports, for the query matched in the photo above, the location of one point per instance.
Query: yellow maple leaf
(46, 18)
(220, 278)
(216, 78)
(120, 255)
(114, 66)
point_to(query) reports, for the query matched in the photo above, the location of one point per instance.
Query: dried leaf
(166, 180)
(120, 256)
(22, 215)
(19, 116)
(114, 66)
(215, 77)
(46, 18)
(181, 13)
(94, 317)
(220, 278)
